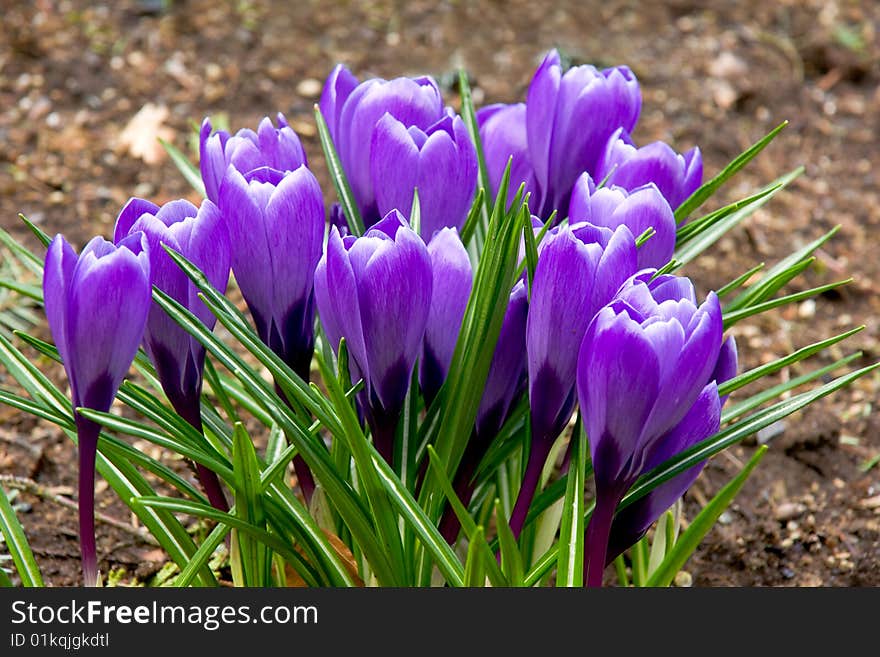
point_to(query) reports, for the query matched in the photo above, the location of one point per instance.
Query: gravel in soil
(85, 87)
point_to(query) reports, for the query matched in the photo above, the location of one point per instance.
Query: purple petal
(58, 270)
(212, 159)
(559, 313)
(506, 376)
(726, 365)
(394, 293)
(618, 383)
(452, 278)
(338, 87)
(394, 166)
(130, 213)
(503, 135)
(336, 296)
(541, 108)
(107, 309)
(242, 208)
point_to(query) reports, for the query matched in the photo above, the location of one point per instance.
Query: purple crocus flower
(440, 161)
(569, 118)
(579, 269)
(642, 208)
(97, 307)
(646, 392)
(275, 221)
(352, 115)
(375, 291)
(452, 278)
(199, 235)
(503, 136)
(276, 227)
(677, 176)
(246, 150)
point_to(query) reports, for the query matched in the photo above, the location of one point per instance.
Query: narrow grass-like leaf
(531, 248)
(17, 545)
(255, 560)
(337, 174)
(780, 274)
(38, 232)
(738, 282)
(469, 116)
(511, 559)
(21, 252)
(707, 189)
(732, 318)
(469, 527)
(695, 227)
(5, 582)
(761, 371)
(190, 171)
(570, 568)
(206, 511)
(740, 408)
(474, 570)
(701, 525)
(705, 239)
(473, 218)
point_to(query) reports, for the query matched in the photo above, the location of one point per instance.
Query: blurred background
(87, 87)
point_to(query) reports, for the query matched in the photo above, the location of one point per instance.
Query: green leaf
(531, 248)
(738, 282)
(702, 241)
(695, 227)
(707, 189)
(469, 116)
(701, 525)
(190, 171)
(206, 511)
(337, 174)
(784, 271)
(570, 568)
(761, 371)
(17, 544)
(38, 232)
(22, 253)
(740, 408)
(511, 560)
(255, 560)
(474, 567)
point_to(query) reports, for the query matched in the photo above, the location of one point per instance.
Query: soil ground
(716, 74)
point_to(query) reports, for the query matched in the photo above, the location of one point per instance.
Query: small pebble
(309, 88)
(789, 511)
(683, 579)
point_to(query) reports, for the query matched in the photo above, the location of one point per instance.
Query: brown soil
(715, 74)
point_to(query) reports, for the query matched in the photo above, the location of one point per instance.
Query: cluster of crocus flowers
(593, 328)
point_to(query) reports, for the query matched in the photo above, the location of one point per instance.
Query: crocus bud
(640, 209)
(503, 136)
(440, 161)
(277, 148)
(355, 113)
(645, 392)
(375, 291)
(579, 269)
(276, 227)
(338, 87)
(97, 307)
(200, 236)
(507, 372)
(452, 278)
(677, 176)
(569, 118)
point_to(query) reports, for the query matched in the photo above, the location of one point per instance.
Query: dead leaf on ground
(140, 137)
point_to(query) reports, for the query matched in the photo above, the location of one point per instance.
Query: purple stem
(383, 427)
(304, 476)
(87, 441)
(190, 410)
(532, 477)
(464, 486)
(596, 539)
